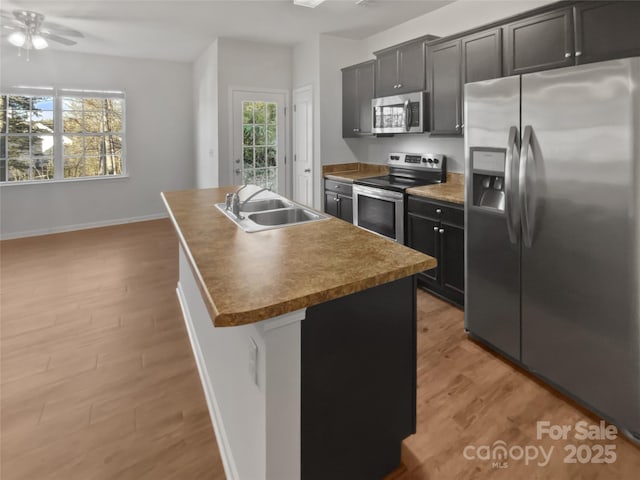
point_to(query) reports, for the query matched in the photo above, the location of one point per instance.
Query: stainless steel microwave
(399, 113)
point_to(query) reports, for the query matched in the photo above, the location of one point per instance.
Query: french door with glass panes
(259, 139)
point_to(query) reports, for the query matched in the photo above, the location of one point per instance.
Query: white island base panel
(251, 380)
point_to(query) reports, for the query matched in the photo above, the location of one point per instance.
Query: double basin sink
(268, 213)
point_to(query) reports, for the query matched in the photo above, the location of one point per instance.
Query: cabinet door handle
(399, 85)
(578, 53)
(435, 229)
(307, 170)
(438, 211)
(458, 126)
(356, 130)
(441, 231)
(567, 55)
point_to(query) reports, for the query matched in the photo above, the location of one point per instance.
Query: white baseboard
(81, 226)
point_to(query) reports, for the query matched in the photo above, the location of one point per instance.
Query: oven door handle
(380, 194)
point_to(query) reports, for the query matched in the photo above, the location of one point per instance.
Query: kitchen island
(305, 339)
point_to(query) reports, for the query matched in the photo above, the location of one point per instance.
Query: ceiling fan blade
(11, 27)
(57, 38)
(56, 28)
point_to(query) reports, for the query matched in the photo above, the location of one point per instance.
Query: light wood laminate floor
(98, 379)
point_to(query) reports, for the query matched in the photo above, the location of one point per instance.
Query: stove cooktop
(393, 182)
(408, 170)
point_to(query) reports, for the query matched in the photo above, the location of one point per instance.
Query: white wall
(159, 142)
(451, 19)
(247, 65)
(205, 106)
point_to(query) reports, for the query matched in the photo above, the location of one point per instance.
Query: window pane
(3, 121)
(247, 112)
(114, 165)
(18, 121)
(247, 176)
(70, 103)
(93, 145)
(42, 145)
(113, 105)
(42, 121)
(248, 135)
(247, 154)
(271, 157)
(261, 138)
(93, 122)
(42, 103)
(271, 135)
(18, 170)
(94, 166)
(92, 104)
(3, 170)
(73, 167)
(42, 169)
(3, 147)
(260, 114)
(260, 157)
(3, 102)
(72, 145)
(113, 122)
(18, 147)
(271, 113)
(113, 145)
(272, 179)
(261, 177)
(17, 102)
(72, 121)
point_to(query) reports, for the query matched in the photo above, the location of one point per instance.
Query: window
(54, 135)
(259, 146)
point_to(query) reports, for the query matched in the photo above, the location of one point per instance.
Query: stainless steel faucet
(233, 203)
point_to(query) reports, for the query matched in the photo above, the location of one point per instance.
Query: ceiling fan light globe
(39, 42)
(18, 39)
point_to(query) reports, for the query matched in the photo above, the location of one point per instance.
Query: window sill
(109, 178)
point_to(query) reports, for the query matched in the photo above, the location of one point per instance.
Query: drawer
(338, 187)
(444, 212)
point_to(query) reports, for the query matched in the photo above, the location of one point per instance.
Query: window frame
(58, 95)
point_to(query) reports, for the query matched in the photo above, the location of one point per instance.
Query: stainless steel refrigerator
(553, 229)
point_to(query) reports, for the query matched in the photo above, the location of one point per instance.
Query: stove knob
(430, 160)
(424, 160)
(436, 161)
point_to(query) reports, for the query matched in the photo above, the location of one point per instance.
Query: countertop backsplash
(375, 150)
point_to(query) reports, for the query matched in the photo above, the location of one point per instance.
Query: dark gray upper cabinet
(444, 70)
(358, 87)
(401, 69)
(540, 42)
(482, 56)
(606, 30)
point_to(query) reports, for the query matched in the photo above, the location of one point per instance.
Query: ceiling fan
(30, 31)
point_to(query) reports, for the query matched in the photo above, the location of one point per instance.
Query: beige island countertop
(248, 277)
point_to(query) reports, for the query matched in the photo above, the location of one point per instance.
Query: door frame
(297, 92)
(287, 128)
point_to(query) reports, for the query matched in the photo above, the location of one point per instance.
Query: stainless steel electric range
(378, 202)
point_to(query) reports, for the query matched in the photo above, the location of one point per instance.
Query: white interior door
(259, 139)
(303, 146)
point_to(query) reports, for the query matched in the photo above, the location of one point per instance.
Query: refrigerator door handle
(513, 223)
(525, 213)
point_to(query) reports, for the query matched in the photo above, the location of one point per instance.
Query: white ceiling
(180, 30)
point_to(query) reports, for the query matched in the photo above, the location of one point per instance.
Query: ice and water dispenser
(488, 177)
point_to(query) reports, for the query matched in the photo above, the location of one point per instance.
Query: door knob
(307, 170)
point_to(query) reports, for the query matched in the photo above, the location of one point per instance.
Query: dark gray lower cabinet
(358, 383)
(338, 200)
(437, 229)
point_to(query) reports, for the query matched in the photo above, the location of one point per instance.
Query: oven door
(379, 211)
